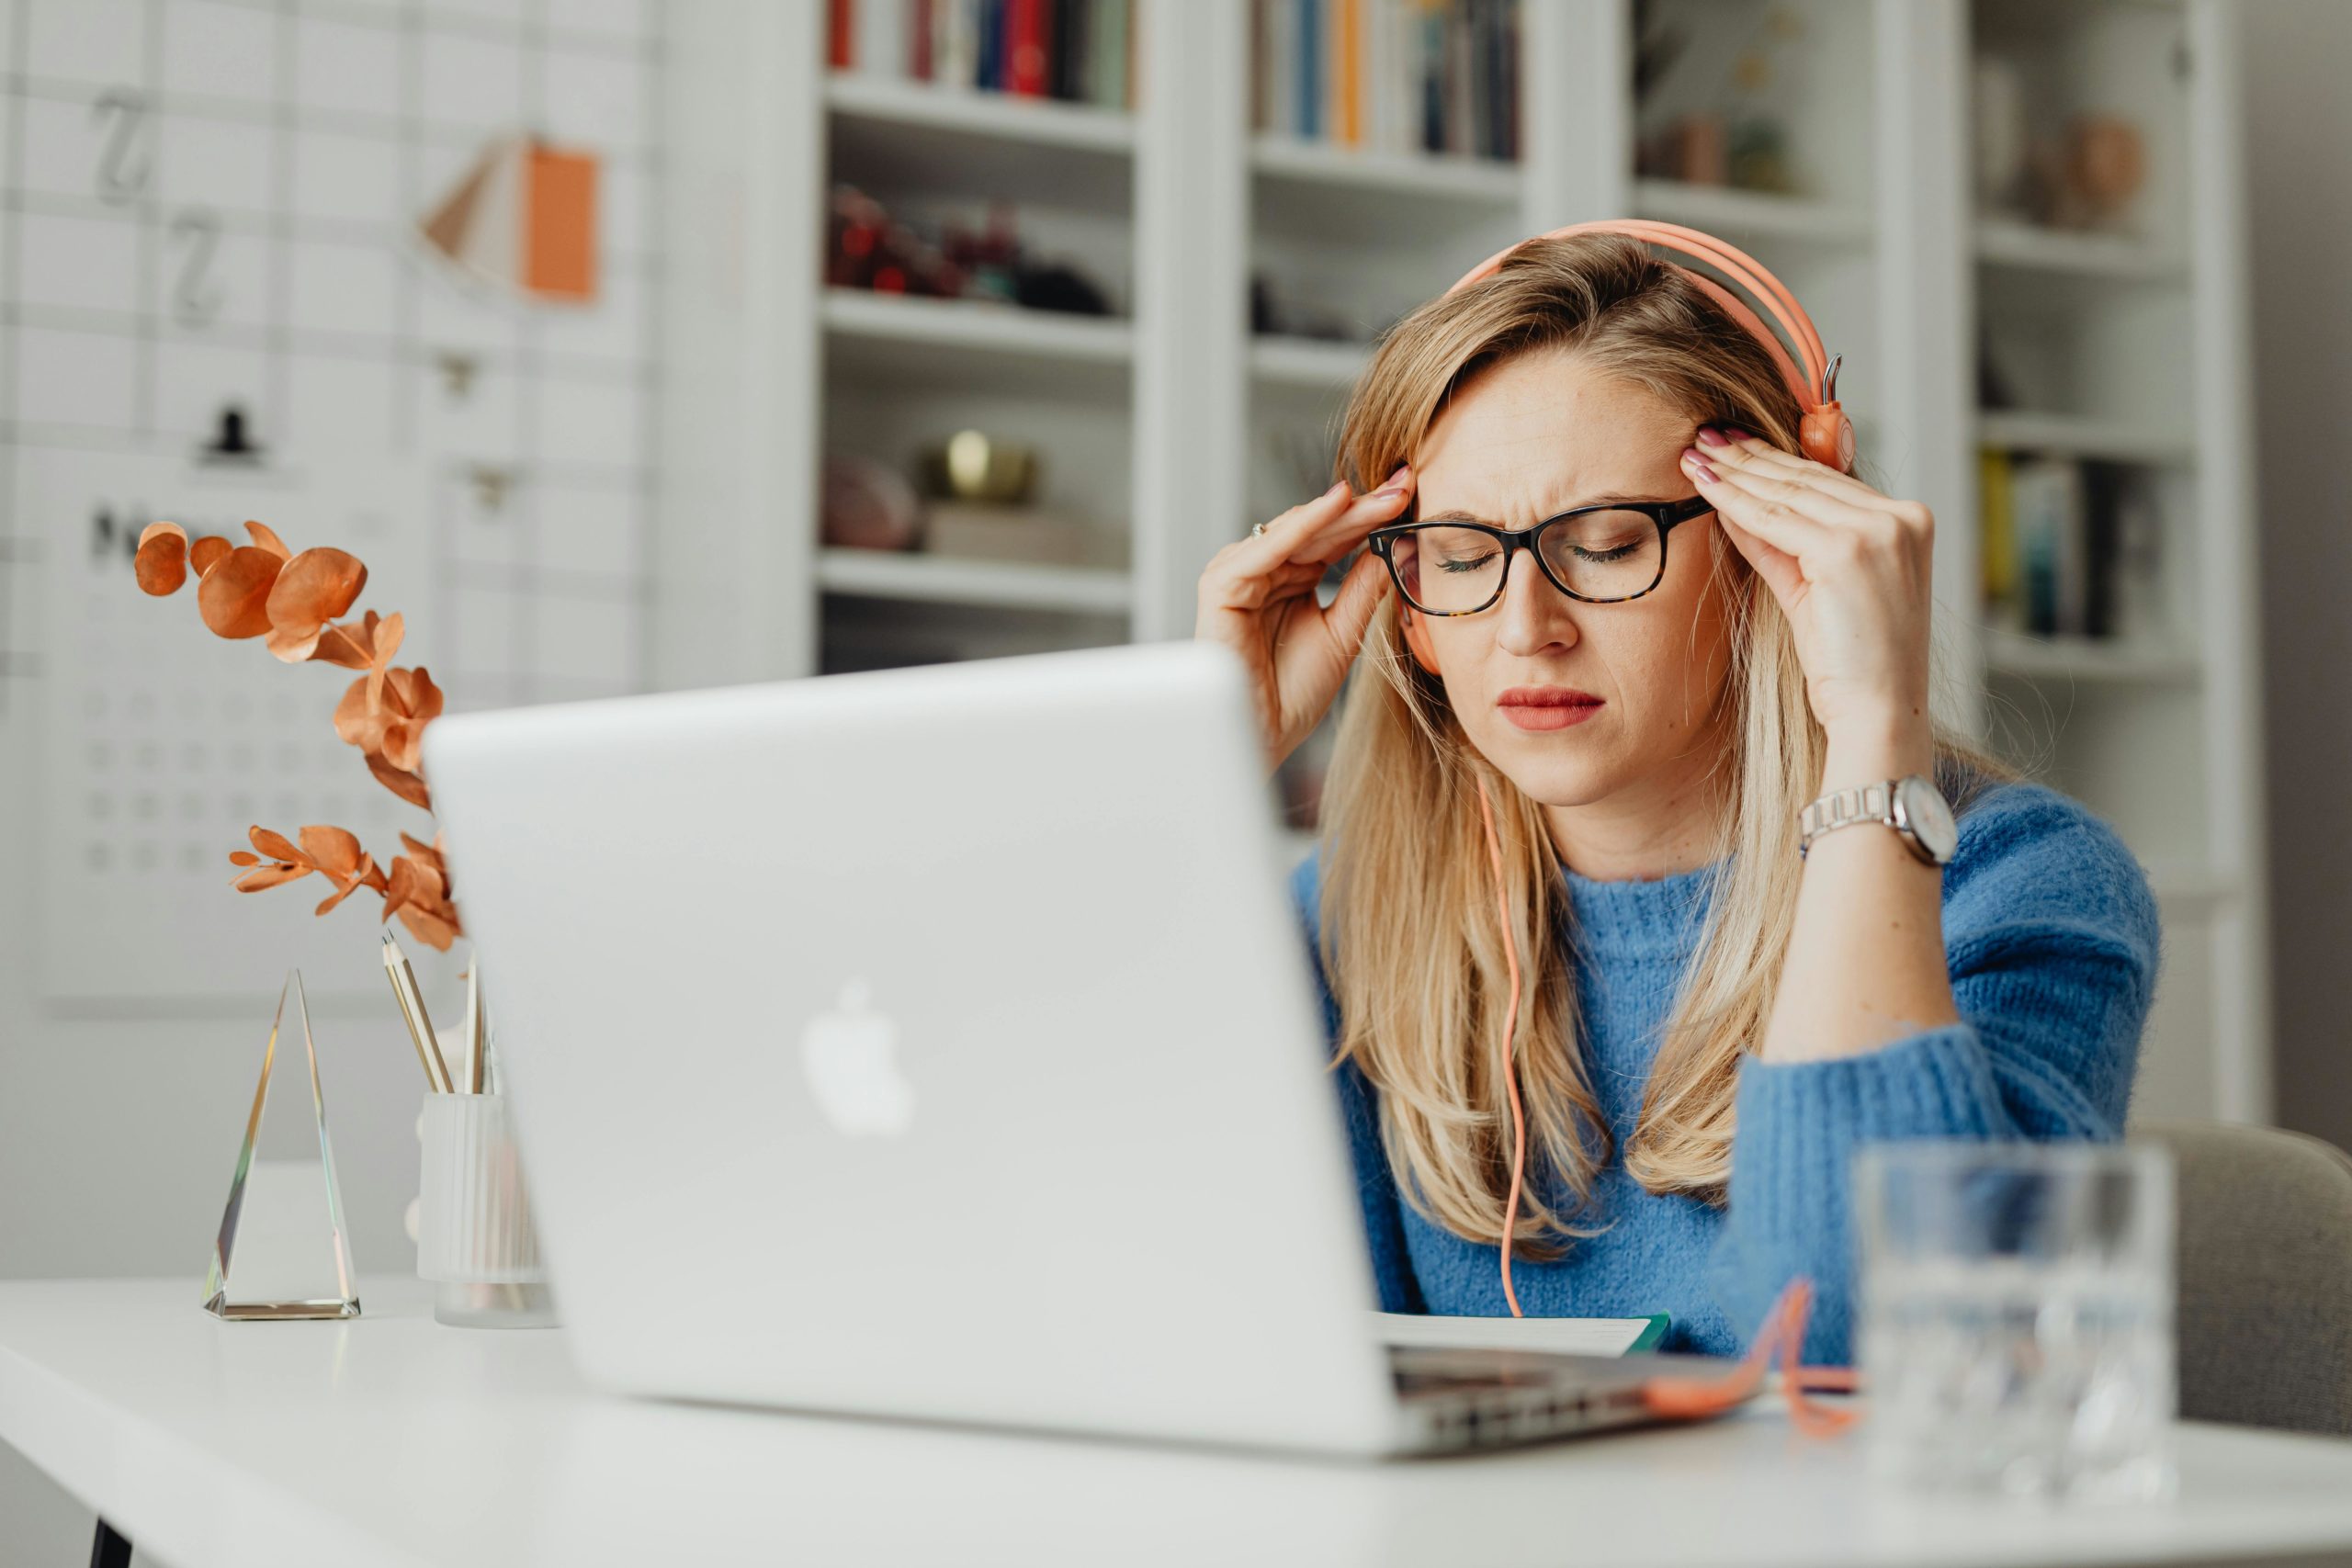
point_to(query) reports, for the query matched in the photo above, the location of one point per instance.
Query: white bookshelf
(1173, 424)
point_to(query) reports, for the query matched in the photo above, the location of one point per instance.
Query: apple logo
(851, 1055)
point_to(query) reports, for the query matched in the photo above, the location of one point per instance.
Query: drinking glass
(2016, 1305)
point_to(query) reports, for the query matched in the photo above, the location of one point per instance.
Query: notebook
(1560, 1336)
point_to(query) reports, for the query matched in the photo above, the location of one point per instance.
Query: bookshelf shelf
(1176, 420)
(2069, 435)
(1430, 175)
(1313, 363)
(1746, 214)
(942, 344)
(889, 574)
(2008, 243)
(2086, 658)
(968, 112)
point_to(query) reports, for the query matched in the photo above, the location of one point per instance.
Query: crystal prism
(282, 1253)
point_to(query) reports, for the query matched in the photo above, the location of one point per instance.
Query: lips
(1547, 707)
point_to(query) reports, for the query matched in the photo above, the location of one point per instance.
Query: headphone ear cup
(1827, 437)
(1416, 637)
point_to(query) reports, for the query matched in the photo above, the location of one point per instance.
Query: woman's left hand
(1849, 565)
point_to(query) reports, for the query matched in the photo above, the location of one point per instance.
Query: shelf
(1004, 116)
(1430, 175)
(1319, 364)
(888, 574)
(2065, 436)
(974, 342)
(2027, 247)
(2087, 659)
(1743, 214)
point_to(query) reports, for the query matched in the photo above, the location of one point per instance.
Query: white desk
(392, 1440)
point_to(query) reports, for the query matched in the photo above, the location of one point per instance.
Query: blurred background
(636, 345)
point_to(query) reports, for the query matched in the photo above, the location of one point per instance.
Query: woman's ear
(1416, 637)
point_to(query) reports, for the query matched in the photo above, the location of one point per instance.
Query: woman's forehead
(1545, 431)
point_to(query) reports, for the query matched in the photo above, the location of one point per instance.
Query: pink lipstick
(1547, 707)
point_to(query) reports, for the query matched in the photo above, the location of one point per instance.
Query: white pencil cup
(474, 1238)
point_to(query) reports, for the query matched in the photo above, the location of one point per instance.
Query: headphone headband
(1811, 376)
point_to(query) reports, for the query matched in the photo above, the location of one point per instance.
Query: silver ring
(1258, 531)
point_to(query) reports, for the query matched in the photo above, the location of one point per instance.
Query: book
(1554, 1335)
(979, 531)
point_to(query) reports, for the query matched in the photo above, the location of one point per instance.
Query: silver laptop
(940, 1044)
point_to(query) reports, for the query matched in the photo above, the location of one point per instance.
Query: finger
(1776, 567)
(1744, 452)
(1792, 515)
(1351, 610)
(1321, 530)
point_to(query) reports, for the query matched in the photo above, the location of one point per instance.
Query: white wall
(307, 133)
(2299, 138)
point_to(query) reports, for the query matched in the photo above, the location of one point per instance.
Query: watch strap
(1844, 807)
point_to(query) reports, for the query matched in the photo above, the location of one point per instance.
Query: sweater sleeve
(2050, 933)
(1384, 1219)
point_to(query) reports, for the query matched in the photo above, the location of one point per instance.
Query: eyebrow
(1610, 499)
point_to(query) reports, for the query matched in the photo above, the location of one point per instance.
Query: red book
(841, 26)
(1025, 44)
(919, 32)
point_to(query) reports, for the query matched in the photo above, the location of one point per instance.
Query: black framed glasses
(1599, 555)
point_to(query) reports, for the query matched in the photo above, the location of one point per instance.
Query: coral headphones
(1824, 434)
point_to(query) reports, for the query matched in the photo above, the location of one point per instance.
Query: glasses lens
(1604, 555)
(1447, 570)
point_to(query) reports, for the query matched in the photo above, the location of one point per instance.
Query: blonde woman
(1605, 588)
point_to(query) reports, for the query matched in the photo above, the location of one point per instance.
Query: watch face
(1929, 817)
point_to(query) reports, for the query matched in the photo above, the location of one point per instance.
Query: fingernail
(1698, 465)
(1339, 487)
(1708, 436)
(1737, 434)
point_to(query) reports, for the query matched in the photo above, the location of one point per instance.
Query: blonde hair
(1411, 941)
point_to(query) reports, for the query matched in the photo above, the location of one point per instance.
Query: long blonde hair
(1409, 912)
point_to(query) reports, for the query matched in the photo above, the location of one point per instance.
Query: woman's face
(1525, 440)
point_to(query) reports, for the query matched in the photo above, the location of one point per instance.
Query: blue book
(989, 71)
(1311, 69)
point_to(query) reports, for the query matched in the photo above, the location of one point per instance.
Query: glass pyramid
(282, 1253)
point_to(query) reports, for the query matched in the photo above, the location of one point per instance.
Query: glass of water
(2016, 1305)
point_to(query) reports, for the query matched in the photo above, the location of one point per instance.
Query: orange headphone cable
(1511, 1033)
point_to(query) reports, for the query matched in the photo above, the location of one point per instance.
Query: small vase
(281, 1254)
(474, 1238)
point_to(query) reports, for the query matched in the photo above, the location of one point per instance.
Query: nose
(1535, 617)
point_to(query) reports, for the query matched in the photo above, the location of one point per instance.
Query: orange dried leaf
(429, 928)
(208, 553)
(275, 845)
(334, 850)
(387, 643)
(346, 646)
(161, 561)
(267, 539)
(401, 781)
(313, 589)
(233, 598)
(244, 857)
(353, 721)
(270, 876)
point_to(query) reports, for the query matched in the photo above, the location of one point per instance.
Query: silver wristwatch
(1913, 807)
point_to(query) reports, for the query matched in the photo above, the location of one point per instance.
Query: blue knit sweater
(2052, 935)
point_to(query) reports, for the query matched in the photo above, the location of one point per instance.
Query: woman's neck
(1663, 825)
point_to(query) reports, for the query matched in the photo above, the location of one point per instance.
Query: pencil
(419, 1022)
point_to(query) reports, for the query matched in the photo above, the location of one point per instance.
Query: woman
(1709, 1022)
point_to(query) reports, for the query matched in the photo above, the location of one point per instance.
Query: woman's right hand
(1257, 598)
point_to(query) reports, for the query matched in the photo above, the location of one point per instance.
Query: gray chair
(2265, 1275)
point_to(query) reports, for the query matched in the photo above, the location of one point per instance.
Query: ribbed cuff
(1800, 1122)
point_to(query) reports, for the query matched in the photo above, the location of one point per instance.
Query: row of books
(2070, 546)
(1078, 50)
(1389, 75)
